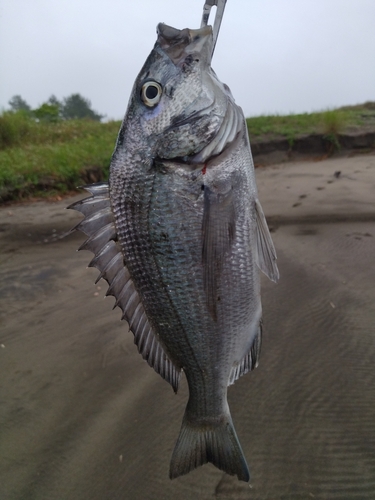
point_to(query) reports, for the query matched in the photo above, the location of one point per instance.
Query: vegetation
(53, 147)
(41, 152)
(324, 122)
(16, 103)
(72, 107)
(75, 107)
(39, 158)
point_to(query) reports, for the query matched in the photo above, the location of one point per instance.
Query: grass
(329, 124)
(18, 129)
(42, 157)
(39, 157)
(323, 122)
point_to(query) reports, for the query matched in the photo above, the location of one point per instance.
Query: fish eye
(151, 93)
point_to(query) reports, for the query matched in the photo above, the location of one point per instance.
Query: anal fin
(249, 361)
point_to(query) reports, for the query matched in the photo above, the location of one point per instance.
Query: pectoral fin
(218, 233)
(265, 251)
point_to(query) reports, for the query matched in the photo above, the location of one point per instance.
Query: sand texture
(83, 417)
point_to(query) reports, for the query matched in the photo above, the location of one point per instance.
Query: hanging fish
(180, 236)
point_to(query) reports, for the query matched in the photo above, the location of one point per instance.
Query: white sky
(277, 56)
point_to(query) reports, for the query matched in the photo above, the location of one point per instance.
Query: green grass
(38, 158)
(19, 129)
(54, 157)
(324, 122)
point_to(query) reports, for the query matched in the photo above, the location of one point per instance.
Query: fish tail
(215, 442)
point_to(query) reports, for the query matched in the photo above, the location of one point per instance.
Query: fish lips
(178, 44)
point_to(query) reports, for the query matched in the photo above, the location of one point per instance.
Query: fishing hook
(220, 6)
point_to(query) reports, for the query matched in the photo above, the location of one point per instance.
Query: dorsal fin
(249, 361)
(99, 226)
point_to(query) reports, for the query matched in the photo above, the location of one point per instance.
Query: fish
(180, 236)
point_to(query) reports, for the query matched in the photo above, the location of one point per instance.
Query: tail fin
(217, 443)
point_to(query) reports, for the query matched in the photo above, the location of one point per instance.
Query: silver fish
(180, 236)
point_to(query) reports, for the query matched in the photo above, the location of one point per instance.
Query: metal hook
(220, 6)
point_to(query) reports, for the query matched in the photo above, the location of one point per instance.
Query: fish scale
(179, 256)
(134, 237)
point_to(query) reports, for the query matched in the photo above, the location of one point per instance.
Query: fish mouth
(171, 36)
(177, 44)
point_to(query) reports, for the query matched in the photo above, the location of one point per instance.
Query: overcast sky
(277, 56)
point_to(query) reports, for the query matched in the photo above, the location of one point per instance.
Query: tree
(50, 110)
(47, 112)
(53, 101)
(16, 103)
(75, 106)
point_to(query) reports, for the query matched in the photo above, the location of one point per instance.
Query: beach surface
(83, 417)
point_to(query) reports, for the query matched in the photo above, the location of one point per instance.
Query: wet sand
(82, 416)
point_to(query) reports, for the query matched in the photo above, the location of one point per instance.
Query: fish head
(177, 104)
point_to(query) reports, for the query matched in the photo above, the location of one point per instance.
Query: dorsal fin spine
(136, 316)
(131, 305)
(126, 286)
(116, 282)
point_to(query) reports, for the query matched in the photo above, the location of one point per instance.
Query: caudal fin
(216, 443)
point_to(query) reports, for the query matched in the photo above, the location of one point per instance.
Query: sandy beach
(83, 417)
